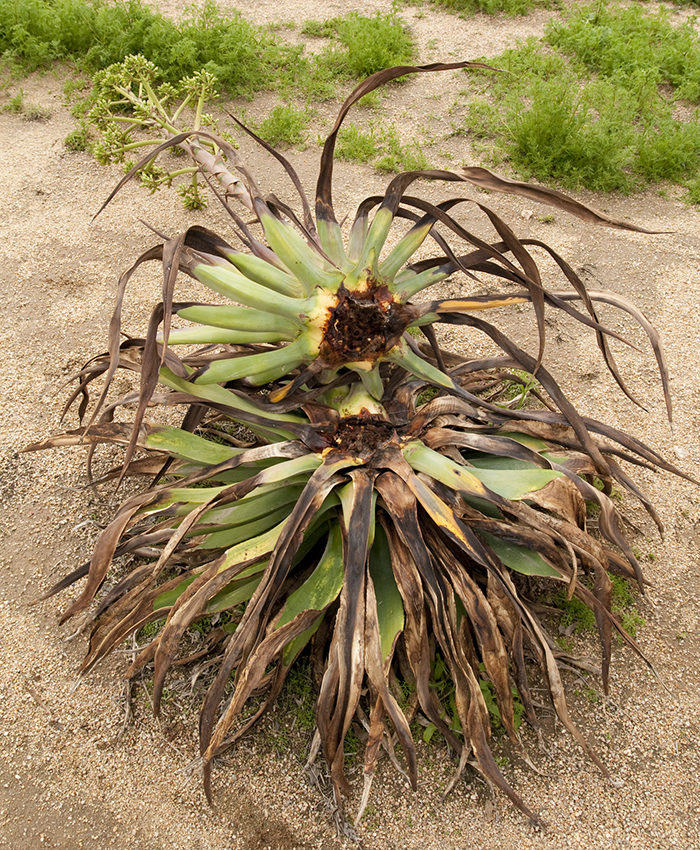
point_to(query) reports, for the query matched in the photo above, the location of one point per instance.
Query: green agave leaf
(235, 593)
(322, 586)
(371, 381)
(258, 368)
(390, 610)
(240, 318)
(263, 544)
(226, 537)
(331, 237)
(255, 548)
(514, 483)
(188, 497)
(319, 590)
(226, 476)
(481, 460)
(294, 647)
(531, 442)
(260, 502)
(358, 233)
(237, 287)
(376, 237)
(285, 472)
(302, 261)
(262, 272)
(188, 446)
(410, 284)
(219, 395)
(464, 479)
(404, 250)
(170, 597)
(520, 558)
(208, 335)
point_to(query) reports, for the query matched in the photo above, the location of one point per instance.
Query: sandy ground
(73, 774)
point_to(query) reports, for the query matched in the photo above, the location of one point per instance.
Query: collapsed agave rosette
(351, 514)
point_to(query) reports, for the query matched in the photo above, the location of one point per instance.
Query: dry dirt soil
(74, 774)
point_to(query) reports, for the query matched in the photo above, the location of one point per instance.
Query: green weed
(517, 392)
(367, 44)
(355, 145)
(624, 600)
(28, 111)
(150, 629)
(398, 156)
(298, 696)
(424, 396)
(591, 694)
(565, 643)
(593, 104)
(491, 7)
(15, 104)
(489, 695)
(577, 615)
(285, 126)
(630, 621)
(441, 682)
(622, 594)
(78, 139)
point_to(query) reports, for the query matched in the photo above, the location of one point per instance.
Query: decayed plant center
(364, 325)
(356, 519)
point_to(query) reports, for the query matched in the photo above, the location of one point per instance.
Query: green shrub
(243, 57)
(627, 42)
(374, 43)
(368, 43)
(355, 145)
(594, 104)
(285, 126)
(694, 191)
(580, 138)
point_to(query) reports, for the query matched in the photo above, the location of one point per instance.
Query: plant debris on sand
(349, 518)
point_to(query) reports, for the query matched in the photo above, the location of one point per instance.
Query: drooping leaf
(317, 593)
(235, 593)
(390, 613)
(182, 444)
(322, 586)
(519, 558)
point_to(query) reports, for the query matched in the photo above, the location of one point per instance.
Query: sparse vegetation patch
(607, 101)
(491, 7)
(285, 126)
(365, 44)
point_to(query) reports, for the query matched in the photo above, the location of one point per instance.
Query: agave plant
(316, 501)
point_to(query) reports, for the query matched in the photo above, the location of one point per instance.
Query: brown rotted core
(363, 326)
(361, 435)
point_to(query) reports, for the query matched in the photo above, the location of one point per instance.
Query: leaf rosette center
(364, 325)
(361, 436)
